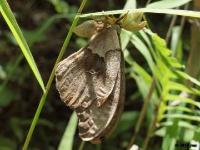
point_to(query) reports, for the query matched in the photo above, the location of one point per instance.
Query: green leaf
(12, 23)
(169, 140)
(17, 130)
(183, 116)
(188, 77)
(167, 4)
(188, 135)
(7, 144)
(179, 108)
(130, 4)
(171, 97)
(197, 135)
(68, 136)
(181, 87)
(125, 37)
(6, 96)
(126, 122)
(142, 77)
(60, 6)
(139, 44)
(38, 34)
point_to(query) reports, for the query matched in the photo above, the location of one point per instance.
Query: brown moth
(91, 81)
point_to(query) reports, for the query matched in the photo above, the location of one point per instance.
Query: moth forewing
(91, 82)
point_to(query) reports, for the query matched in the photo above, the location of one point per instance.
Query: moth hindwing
(91, 82)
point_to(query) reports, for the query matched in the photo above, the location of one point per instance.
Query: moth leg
(110, 19)
(96, 141)
(113, 61)
(122, 17)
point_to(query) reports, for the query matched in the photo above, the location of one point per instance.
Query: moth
(91, 81)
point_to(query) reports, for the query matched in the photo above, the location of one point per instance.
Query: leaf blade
(167, 4)
(187, 13)
(68, 136)
(12, 24)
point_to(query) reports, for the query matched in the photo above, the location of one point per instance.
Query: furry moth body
(91, 82)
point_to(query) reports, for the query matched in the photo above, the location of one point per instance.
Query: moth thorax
(102, 25)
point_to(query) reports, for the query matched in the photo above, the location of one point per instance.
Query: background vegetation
(162, 99)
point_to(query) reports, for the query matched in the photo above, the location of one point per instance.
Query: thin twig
(49, 83)
(152, 126)
(172, 23)
(143, 112)
(182, 25)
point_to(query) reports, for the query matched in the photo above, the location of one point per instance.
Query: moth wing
(95, 122)
(102, 115)
(70, 78)
(76, 78)
(106, 86)
(91, 85)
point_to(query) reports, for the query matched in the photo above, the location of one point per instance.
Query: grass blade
(12, 23)
(167, 4)
(178, 12)
(68, 136)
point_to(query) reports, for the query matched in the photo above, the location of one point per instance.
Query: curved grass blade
(68, 136)
(12, 23)
(186, 13)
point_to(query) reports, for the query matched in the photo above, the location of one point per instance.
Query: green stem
(82, 145)
(172, 23)
(49, 83)
(152, 126)
(143, 111)
(181, 26)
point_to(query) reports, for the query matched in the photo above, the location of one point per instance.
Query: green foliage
(167, 4)
(7, 144)
(68, 136)
(169, 78)
(171, 108)
(11, 22)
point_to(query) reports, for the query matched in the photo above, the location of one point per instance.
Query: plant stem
(49, 83)
(82, 145)
(148, 2)
(182, 25)
(143, 111)
(152, 126)
(172, 23)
